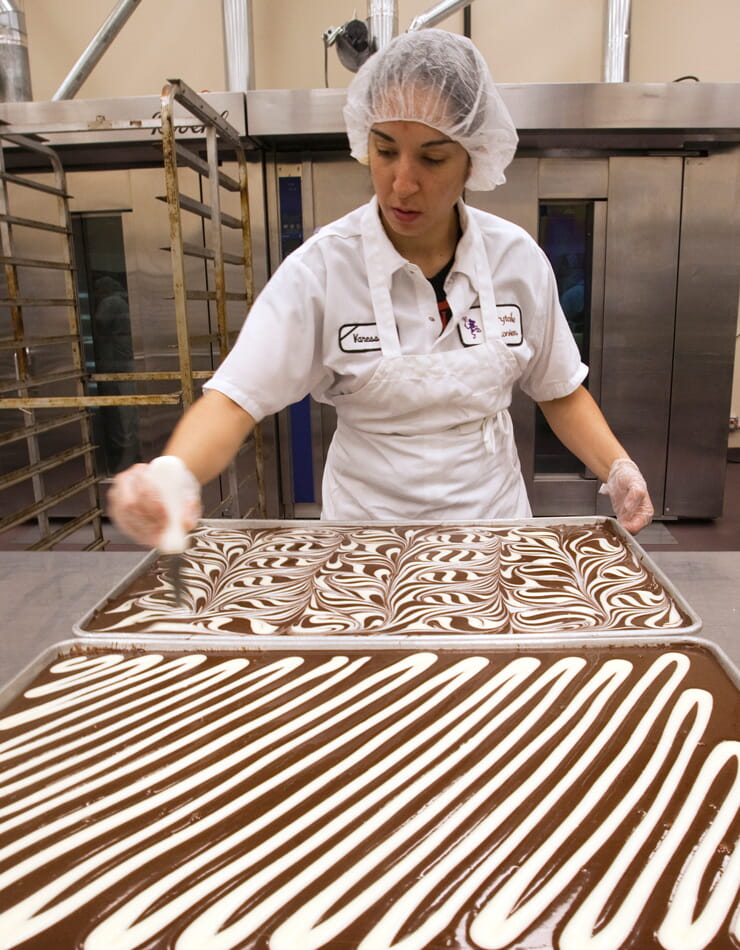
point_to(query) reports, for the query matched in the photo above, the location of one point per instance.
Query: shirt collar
(374, 233)
(464, 257)
(391, 261)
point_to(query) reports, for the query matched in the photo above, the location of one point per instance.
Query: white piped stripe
(300, 780)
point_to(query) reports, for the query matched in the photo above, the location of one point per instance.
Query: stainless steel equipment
(638, 185)
(15, 75)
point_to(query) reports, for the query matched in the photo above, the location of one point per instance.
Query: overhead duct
(617, 42)
(436, 14)
(99, 44)
(15, 73)
(382, 22)
(238, 45)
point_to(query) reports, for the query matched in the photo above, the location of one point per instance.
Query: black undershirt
(438, 283)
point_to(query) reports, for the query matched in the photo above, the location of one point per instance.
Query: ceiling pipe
(238, 45)
(617, 42)
(100, 43)
(436, 14)
(382, 22)
(15, 73)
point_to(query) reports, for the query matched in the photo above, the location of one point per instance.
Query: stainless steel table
(44, 593)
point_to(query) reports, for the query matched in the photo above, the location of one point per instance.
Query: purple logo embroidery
(472, 327)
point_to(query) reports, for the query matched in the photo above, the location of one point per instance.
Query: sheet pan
(173, 622)
(164, 799)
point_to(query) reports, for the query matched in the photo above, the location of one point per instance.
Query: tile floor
(721, 534)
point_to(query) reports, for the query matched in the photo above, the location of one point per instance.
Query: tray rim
(76, 645)
(693, 627)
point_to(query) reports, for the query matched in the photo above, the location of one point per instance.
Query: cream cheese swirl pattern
(396, 579)
(393, 799)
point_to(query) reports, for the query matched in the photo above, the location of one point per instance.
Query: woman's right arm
(206, 439)
(209, 435)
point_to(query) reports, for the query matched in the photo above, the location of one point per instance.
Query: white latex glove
(629, 496)
(135, 504)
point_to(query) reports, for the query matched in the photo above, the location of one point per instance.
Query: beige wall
(184, 39)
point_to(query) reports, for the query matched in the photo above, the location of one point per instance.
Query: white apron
(428, 437)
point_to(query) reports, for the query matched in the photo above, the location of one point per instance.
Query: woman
(414, 316)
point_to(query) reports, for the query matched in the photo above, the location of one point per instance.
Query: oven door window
(566, 236)
(106, 332)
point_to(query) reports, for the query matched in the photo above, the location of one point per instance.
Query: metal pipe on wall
(15, 73)
(436, 14)
(238, 45)
(382, 22)
(616, 53)
(99, 44)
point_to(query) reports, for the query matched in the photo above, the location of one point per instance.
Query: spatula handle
(171, 476)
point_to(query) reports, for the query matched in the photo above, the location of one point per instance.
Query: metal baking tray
(210, 645)
(168, 620)
(250, 783)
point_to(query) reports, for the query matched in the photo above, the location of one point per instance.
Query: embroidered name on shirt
(359, 337)
(509, 325)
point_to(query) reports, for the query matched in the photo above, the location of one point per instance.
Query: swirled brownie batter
(397, 579)
(507, 799)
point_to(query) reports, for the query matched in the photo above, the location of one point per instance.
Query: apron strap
(484, 279)
(380, 294)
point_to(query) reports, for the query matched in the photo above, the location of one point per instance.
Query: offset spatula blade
(170, 473)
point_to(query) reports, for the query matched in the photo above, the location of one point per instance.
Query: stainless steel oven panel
(706, 321)
(516, 199)
(643, 231)
(573, 178)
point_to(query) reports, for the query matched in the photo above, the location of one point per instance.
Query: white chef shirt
(312, 328)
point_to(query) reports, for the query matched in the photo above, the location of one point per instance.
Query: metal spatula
(170, 473)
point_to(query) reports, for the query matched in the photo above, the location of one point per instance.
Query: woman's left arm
(580, 425)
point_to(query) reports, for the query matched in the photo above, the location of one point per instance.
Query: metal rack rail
(36, 403)
(33, 399)
(245, 475)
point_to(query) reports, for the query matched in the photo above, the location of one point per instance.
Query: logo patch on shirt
(471, 327)
(358, 337)
(509, 319)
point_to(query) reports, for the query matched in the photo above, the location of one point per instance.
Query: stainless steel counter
(44, 593)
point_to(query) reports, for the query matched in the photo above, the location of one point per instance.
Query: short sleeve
(276, 359)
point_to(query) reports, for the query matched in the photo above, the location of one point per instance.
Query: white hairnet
(440, 79)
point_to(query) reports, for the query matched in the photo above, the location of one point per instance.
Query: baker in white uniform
(413, 316)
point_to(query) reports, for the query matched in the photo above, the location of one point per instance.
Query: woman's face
(418, 174)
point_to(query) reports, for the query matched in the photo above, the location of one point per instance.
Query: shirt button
(431, 318)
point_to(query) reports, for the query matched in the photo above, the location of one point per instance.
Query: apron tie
(489, 434)
(501, 422)
(495, 430)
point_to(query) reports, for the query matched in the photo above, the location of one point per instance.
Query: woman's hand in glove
(629, 496)
(135, 504)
